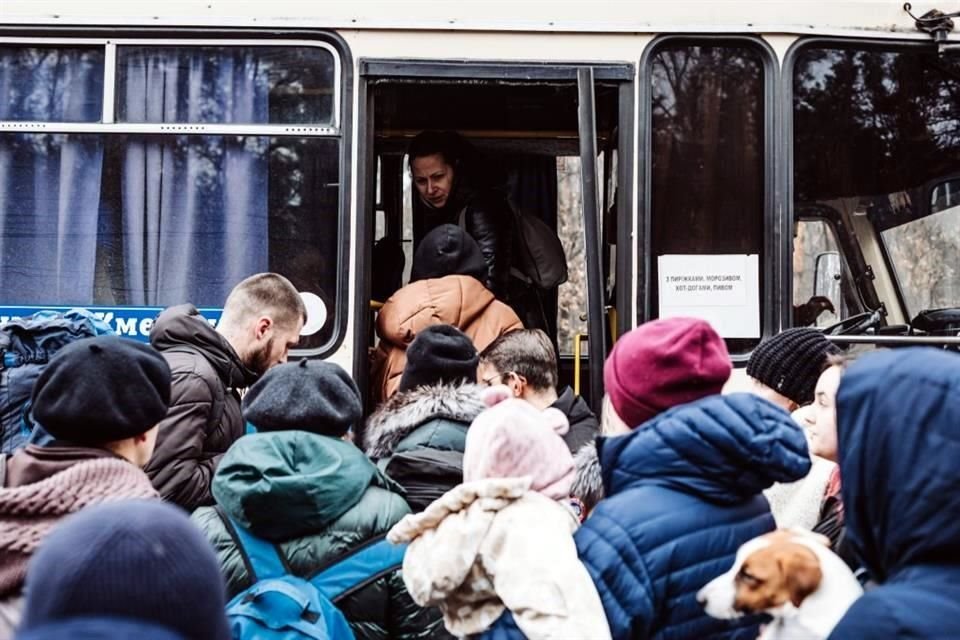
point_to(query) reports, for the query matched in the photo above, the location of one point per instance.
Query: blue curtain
(134, 220)
(194, 208)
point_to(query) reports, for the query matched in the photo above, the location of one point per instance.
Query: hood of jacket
(723, 449)
(456, 300)
(288, 484)
(899, 442)
(404, 412)
(183, 325)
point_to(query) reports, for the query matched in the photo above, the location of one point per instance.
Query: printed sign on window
(724, 290)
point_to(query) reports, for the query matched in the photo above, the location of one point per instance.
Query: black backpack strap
(3, 470)
(228, 525)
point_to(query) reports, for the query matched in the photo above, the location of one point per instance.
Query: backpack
(424, 474)
(26, 346)
(282, 606)
(539, 258)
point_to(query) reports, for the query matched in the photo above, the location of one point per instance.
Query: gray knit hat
(791, 362)
(310, 395)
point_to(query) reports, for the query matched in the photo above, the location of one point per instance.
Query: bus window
(875, 149)
(223, 84)
(171, 211)
(926, 257)
(51, 84)
(708, 152)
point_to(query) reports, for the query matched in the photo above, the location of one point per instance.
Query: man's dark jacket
(204, 417)
(584, 427)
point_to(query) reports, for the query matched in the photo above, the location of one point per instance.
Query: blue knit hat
(98, 629)
(143, 561)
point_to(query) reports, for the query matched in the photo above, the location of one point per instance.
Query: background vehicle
(152, 153)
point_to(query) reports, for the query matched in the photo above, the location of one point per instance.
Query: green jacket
(317, 498)
(418, 438)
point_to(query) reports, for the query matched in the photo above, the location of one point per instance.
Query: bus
(760, 164)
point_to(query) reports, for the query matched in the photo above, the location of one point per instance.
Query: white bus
(763, 164)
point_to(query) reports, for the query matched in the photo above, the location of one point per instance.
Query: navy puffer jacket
(683, 493)
(899, 445)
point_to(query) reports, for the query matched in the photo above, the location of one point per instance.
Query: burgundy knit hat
(662, 364)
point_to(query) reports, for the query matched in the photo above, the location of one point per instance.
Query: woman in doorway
(454, 187)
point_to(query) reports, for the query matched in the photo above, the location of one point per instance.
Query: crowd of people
(524, 515)
(173, 472)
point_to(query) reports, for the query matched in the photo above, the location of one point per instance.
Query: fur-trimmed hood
(401, 414)
(588, 481)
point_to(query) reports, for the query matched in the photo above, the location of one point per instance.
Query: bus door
(558, 134)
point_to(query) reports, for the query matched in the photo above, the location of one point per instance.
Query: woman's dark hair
(448, 144)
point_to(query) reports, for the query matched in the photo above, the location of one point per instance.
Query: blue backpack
(281, 606)
(26, 346)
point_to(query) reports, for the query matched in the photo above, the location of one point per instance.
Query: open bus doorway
(527, 129)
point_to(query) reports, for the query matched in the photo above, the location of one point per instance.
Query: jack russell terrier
(790, 575)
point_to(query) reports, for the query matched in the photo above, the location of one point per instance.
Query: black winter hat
(440, 354)
(791, 362)
(448, 250)
(309, 395)
(138, 560)
(102, 389)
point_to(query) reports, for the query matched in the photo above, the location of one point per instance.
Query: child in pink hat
(503, 540)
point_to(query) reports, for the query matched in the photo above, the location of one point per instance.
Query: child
(502, 540)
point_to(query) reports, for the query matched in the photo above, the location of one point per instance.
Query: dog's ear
(801, 571)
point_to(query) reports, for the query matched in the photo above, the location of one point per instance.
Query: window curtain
(49, 183)
(194, 209)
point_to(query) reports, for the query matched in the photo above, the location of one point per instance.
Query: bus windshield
(876, 152)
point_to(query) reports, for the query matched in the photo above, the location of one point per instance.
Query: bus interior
(526, 128)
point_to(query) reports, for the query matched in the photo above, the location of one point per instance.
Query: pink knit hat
(662, 364)
(513, 439)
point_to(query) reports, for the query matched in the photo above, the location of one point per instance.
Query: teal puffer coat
(418, 438)
(317, 498)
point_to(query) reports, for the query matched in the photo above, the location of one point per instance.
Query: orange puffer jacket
(458, 300)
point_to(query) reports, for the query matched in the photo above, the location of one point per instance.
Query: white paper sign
(724, 290)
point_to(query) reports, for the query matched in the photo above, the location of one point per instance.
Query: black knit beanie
(137, 560)
(448, 250)
(440, 354)
(102, 389)
(791, 362)
(309, 395)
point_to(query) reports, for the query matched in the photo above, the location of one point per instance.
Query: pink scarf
(30, 511)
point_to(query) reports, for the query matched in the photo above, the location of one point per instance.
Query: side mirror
(828, 271)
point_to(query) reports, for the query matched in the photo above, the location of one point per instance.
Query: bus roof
(877, 18)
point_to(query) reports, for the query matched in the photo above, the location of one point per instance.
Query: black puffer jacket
(488, 219)
(204, 417)
(584, 427)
